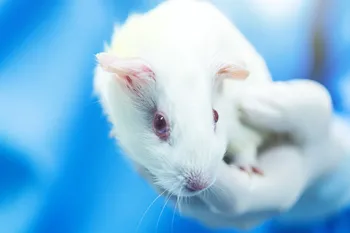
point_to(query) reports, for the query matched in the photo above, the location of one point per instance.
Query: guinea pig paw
(251, 170)
(257, 170)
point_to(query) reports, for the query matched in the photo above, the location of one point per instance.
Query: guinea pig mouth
(194, 187)
(188, 189)
(188, 186)
(182, 194)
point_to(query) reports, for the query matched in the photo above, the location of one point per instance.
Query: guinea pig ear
(233, 71)
(133, 72)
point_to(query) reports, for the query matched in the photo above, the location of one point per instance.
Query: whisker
(218, 191)
(161, 212)
(214, 193)
(172, 221)
(146, 211)
(179, 201)
(209, 194)
(186, 200)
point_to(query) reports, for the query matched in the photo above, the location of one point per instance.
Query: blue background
(59, 171)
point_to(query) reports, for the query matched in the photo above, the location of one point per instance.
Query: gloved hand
(300, 108)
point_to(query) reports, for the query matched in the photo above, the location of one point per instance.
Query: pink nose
(195, 185)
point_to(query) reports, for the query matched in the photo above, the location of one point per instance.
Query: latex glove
(301, 108)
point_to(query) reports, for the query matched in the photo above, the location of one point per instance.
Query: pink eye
(215, 115)
(160, 126)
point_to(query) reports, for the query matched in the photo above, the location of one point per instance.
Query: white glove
(301, 108)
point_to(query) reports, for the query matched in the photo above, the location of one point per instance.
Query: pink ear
(134, 72)
(233, 71)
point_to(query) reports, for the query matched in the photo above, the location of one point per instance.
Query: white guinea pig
(159, 83)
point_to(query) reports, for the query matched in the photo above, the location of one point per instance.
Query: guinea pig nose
(195, 184)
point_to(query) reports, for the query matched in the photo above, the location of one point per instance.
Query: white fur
(184, 42)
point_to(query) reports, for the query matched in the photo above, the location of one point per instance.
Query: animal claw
(257, 171)
(251, 170)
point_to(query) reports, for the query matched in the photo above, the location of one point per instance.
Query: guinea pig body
(157, 85)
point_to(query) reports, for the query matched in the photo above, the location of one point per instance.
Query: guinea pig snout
(196, 182)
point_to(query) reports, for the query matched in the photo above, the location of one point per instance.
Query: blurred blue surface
(59, 171)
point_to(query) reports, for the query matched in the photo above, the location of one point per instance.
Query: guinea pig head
(167, 129)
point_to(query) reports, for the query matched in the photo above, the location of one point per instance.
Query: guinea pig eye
(215, 115)
(161, 126)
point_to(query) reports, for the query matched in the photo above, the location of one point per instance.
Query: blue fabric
(59, 171)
